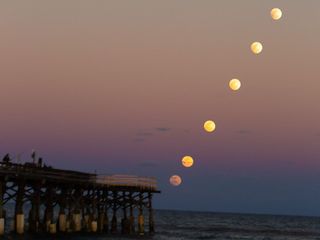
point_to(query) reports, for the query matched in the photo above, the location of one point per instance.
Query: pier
(64, 201)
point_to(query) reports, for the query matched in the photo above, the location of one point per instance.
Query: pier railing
(34, 172)
(13, 170)
(127, 181)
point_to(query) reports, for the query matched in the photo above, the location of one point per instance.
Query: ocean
(176, 225)
(219, 226)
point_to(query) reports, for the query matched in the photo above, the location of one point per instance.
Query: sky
(124, 87)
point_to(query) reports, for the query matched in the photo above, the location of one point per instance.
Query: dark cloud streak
(163, 129)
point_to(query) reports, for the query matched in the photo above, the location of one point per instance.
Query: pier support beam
(106, 221)
(62, 219)
(131, 218)
(48, 213)
(1, 226)
(76, 219)
(69, 220)
(101, 214)
(125, 222)
(2, 191)
(19, 216)
(76, 213)
(151, 220)
(34, 215)
(140, 217)
(53, 228)
(94, 223)
(87, 219)
(86, 215)
(105, 206)
(114, 213)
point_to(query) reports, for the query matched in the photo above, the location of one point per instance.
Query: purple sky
(125, 86)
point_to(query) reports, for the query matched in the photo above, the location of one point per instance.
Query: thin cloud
(163, 129)
(144, 134)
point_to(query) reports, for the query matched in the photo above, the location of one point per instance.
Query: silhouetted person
(40, 162)
(33, 156)
(6, 158)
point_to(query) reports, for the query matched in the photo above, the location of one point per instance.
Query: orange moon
(256, 47)
(209, 126)
(234, 84)
(175, 180)
(187, 161)
(276, 13)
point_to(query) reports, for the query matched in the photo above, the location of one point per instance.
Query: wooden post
(76, 214)
(151, 220)
(69, 221)
(19, 216)
(34, 215)
(2, 190)
(48, 214)
(125, 221)
(140, 217)
(62, 221)
(101, 213)
(132, 228)
(86, 212)
(94, 224)
(114, 211)
(106, 218)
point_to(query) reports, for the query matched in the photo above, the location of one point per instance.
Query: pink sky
(126, 86)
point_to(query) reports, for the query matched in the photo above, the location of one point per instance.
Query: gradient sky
(125, 86)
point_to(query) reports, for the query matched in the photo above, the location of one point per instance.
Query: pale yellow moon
(276, 13)
(187, 161)
(209, 126)
(235, 84)
(175, 180)
(256, 47)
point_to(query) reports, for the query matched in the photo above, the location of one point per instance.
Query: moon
(235, 84)
(187, 161)
(175, 180)
(276, 13)
(256, 47)
(209, 126)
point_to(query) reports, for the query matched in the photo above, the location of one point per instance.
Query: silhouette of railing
(31, 171)
(127, 181)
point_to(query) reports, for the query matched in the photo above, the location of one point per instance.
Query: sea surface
(174, 225)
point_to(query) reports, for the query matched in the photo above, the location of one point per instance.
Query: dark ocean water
(174, 225)
(195, 225)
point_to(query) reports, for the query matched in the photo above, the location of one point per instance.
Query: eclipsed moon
(209, 126)
(175, 180)
(256, 47)
(276, 13)
(187, 161)
(235, 84)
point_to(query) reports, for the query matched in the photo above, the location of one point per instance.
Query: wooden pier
(63, 201)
